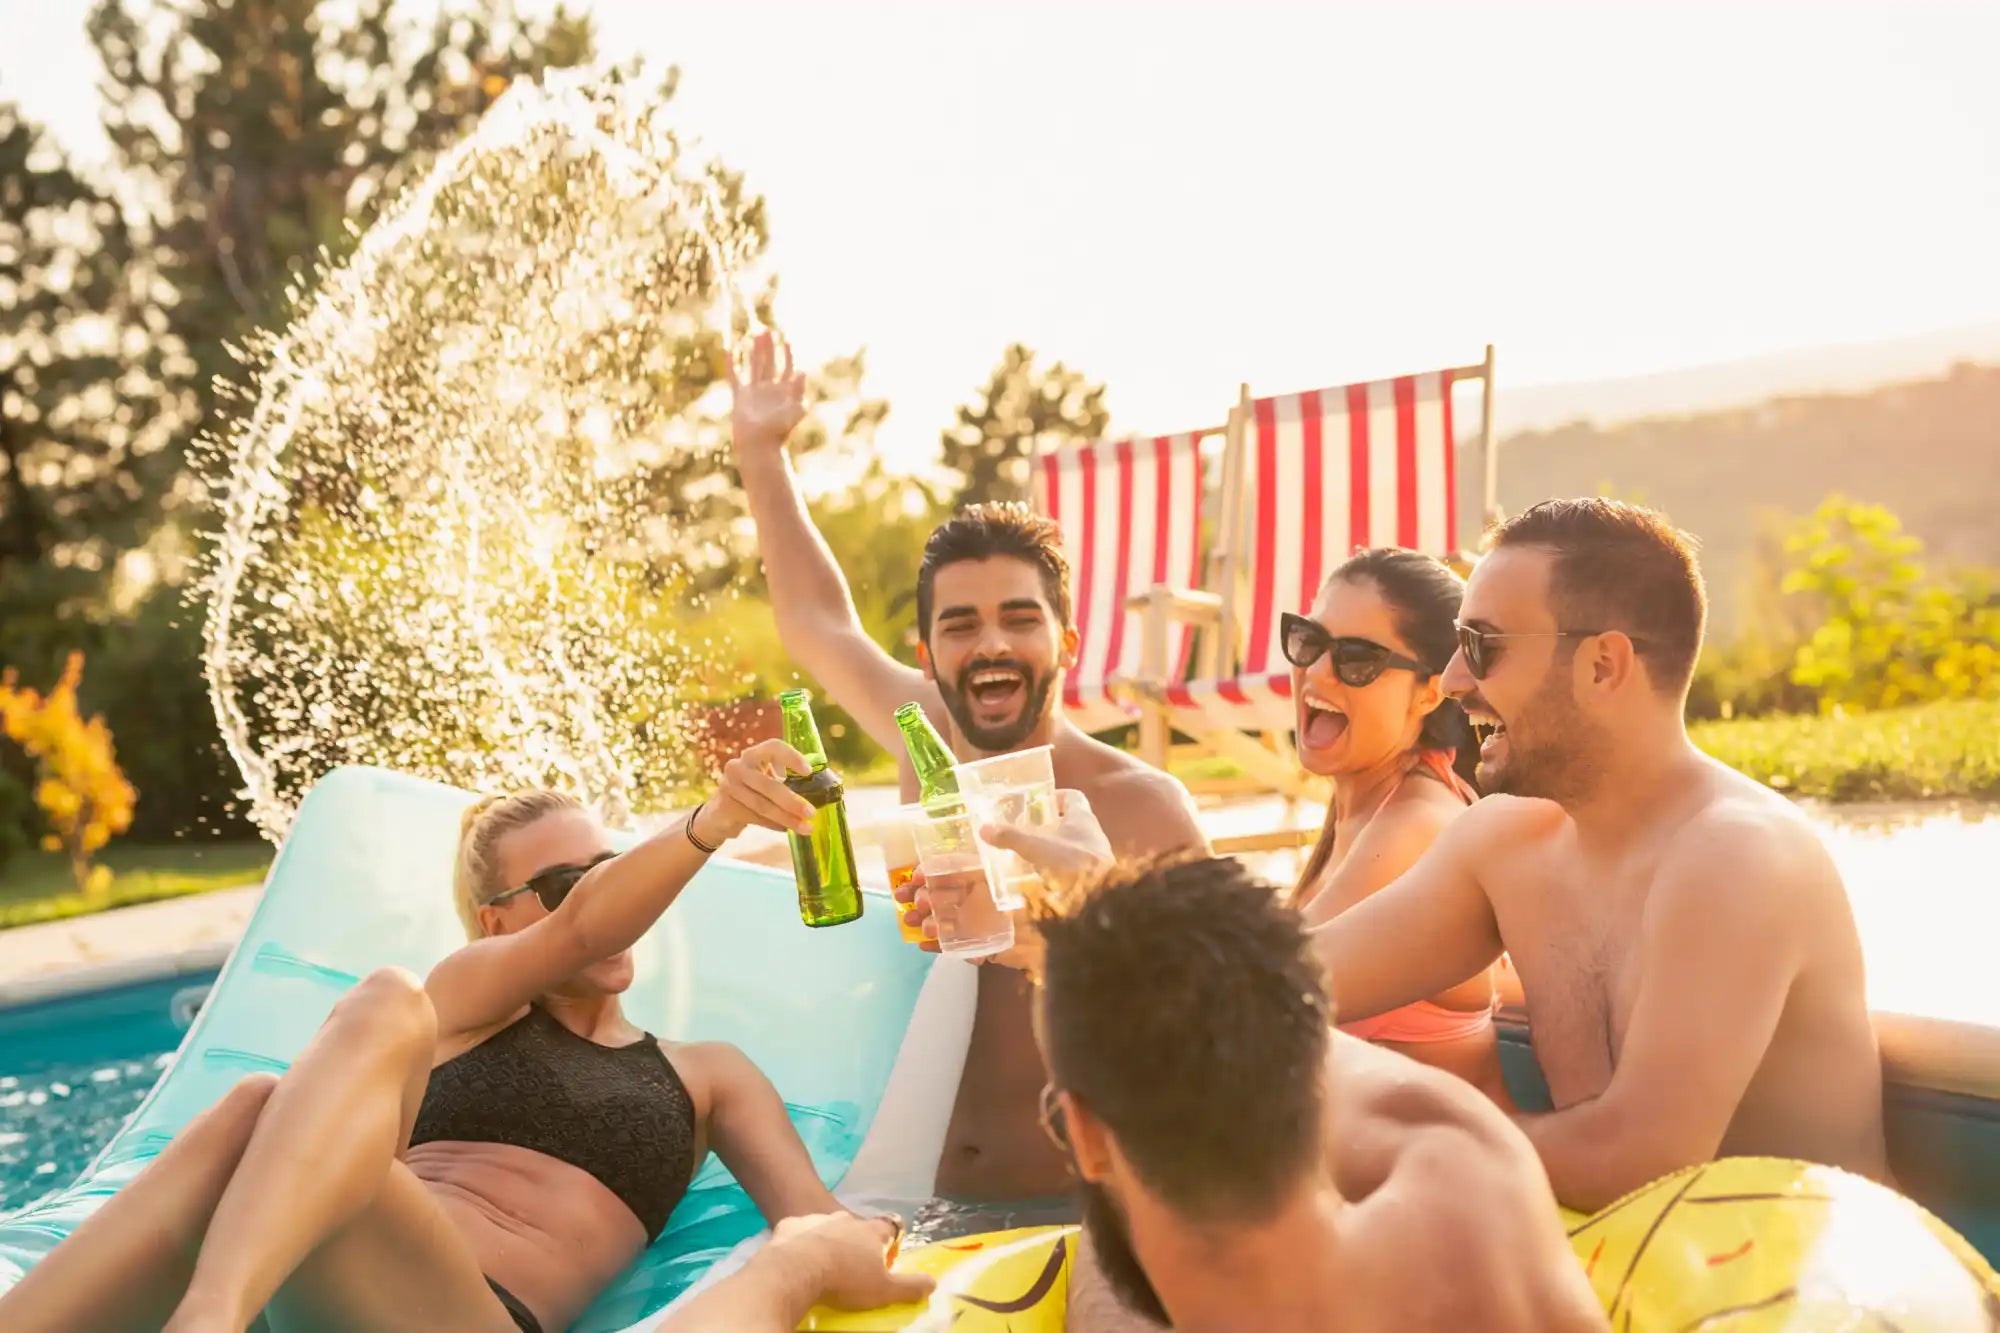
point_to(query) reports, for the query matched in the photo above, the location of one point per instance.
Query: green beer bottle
(823, 864)
(937, 783)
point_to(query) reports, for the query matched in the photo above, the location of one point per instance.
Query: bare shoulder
(1745, 835)
(1141, 808)
(1398, 1095)
(1497, 827)
(1447, 1177)
(1414, 819)
(705, 1066)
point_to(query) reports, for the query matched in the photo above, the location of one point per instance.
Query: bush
(84, 797)
(1949, 748)
(1847, 617)
(1886, 633)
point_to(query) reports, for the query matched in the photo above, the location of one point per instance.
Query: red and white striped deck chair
(1309, 478)
(1130, 512)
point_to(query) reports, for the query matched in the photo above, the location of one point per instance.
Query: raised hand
(753, 791)
(767, 402)
(1075, 847)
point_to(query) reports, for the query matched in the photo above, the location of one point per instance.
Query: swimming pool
(73, 1066)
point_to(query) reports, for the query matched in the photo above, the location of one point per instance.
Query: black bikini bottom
(524, 1318)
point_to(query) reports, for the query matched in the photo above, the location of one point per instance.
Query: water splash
(444, 546)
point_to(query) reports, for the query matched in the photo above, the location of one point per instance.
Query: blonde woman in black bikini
(482, 1151)
(1372, 716)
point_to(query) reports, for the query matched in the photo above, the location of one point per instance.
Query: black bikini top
(619, 1112)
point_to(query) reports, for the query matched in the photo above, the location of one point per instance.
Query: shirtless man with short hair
(1241, 1164)
(1689, 957)
(993, 615)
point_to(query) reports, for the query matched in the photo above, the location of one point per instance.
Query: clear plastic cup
(899, 857)
(1017, 788)
(969, 923)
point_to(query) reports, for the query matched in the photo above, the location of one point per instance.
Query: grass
(1931, 750)
(36, 886)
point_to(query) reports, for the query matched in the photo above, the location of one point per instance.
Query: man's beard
(1562, 768)
(1111, 1247)
(997, 740)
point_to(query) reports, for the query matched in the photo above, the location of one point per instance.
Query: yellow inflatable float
(1744, 1245)
(1750, 1244)
(996, 1282)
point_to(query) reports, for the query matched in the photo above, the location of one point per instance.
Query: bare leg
(127, 1265)
(320, 1152)
(400, 1266)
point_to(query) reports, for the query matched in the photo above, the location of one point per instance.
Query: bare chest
(1573, 936)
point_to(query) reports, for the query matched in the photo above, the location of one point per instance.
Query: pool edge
(123, 972)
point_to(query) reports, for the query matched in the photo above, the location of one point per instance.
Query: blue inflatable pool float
(363, 881)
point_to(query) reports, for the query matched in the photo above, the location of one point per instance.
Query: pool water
(73, 1068)
(948, 1219)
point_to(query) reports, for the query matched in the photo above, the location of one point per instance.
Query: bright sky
(1177, 197)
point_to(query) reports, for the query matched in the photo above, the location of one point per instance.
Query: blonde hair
(486, 821)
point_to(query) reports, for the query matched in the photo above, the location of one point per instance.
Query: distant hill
(1844, 368)
(1929, 449)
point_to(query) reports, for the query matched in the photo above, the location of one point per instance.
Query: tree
(1020, 410)
(1885, 632)
(86, 403)
(247, 135)
(253, 132)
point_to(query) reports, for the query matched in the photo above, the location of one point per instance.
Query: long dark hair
(1424, 594)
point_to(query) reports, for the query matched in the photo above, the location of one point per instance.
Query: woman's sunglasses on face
(553, 885)
(1356, 662)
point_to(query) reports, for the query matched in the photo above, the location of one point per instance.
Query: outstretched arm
(816, 618)
(1721, 945)
(1425, 931)
(838, 1260)
(616, 903)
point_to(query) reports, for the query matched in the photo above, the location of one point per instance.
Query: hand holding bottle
(753, 791)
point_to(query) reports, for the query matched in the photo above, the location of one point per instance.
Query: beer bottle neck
(802, 734)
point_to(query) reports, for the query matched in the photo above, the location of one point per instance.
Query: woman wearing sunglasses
(482, 1151)
(1373, 718)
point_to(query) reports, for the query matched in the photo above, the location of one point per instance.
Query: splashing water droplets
(439, 548)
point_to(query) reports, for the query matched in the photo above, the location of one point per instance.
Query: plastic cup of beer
(1018, 789)
(969, 923)
(899, 855)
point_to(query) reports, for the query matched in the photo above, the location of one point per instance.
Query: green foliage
(253, 131)
(86, 400)
(1844, 616)
(1950, 748)
(1887, 634)
(1019, 410)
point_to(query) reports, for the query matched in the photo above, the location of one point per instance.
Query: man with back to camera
(1688, 953)
(993, 617)
(1241, 1164)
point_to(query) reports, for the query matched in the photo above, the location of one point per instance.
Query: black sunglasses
(1356, 662)
(553, 885)
(1477, 644)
